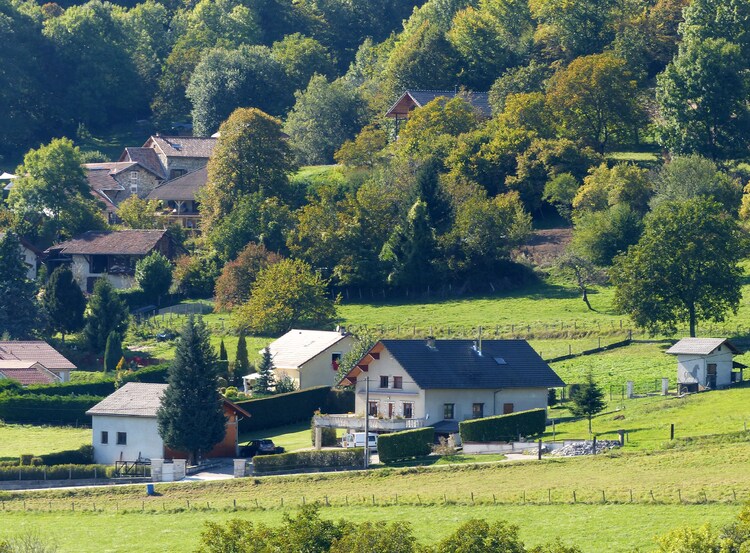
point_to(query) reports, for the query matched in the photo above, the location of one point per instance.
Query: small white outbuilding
(705, 363)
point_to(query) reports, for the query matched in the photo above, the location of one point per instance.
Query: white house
(124, 426)
(309, 357)
(37, 351)
(705, 363)
(412, 383)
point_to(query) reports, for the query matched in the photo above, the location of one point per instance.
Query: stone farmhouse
(403, 384)
(125, 428)
(110, 254)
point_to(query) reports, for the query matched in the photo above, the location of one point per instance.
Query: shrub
(326, 458)
(407, 444)
(155, 374)
(84, 455)
(44, 409)
(102, 388)
(58, 472)
(503, 428)
(281, 409)
(328, 437)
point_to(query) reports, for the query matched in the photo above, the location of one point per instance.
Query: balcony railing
(357, 423)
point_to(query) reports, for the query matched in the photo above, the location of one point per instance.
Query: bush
(327, 458)
(46, 409)
(101, 388)
(155, 374)
(504, 428)
(84, 455)
(282, 409)
(328, 438)
(58, 472)
(407, 444)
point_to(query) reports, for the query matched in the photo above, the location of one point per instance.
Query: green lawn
(291, 437)
(17, 439)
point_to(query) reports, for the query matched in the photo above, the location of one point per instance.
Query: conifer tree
(266, 381)
(191, 417)
(113, 351)
(222, 351)
(20, 316)
(242, 362)
(588, 399)
(107, 313)
(64, 302)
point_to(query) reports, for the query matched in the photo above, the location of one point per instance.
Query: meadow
(20, 439)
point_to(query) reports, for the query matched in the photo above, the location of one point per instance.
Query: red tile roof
(27, 372)
(34, 350)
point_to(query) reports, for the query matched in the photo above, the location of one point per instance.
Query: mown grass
(291, 437)
(595, 528)
(20, 439)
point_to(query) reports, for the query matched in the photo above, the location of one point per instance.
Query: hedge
(406, 444)
(504, 428)
(339, 401)
(324, 458)
(44, 409)
(155, 374)
(281, 409)
(84, 455)
(103, 388)
(58, 472)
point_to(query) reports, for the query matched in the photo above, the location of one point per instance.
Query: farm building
(438, 383)
(35, 354)
(309, 357)
(125, 429)
(706, 363)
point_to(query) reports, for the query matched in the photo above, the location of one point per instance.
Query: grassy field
(291, 437)
(17, 439)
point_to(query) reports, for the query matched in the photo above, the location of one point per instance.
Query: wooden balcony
(357, 423)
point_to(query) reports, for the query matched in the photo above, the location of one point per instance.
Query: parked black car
(260, 447)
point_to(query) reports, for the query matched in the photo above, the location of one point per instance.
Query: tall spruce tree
(107, 313)
(588, 399)
(191, 416)
(242, 362)
(64, 302)
(266, 382)
(113, 351)
(222, 351)
(20, 316)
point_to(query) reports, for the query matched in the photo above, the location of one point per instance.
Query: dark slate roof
(101, 176)
(119, 242)
(146, 157)
(182, 188)
(456, 364)
(480, 100)
(184, 146)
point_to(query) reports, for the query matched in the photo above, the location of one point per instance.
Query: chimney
(431, 342)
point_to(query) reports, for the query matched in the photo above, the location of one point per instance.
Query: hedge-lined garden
(406, 444)
(283, 409)
(504, 428)
(324, 458)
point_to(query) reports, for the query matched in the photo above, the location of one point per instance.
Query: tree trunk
(586, 298)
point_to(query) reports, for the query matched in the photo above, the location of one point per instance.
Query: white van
(358, 440)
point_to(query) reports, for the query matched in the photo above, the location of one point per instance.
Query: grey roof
(135, 399)
(700, 346)
(118, 242)
(480, 100)
(456, 364)
(182, 188)
(297, 347)
(184, 146)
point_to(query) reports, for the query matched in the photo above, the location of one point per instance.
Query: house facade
(309, 357)
(110, 254)
(114, 182)
(37, 352)
(177, 155)
(125, 429)
(178, 199)
(705, 363)
(413, 383)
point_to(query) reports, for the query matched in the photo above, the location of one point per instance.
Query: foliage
(478, 536)
(64, 302)
(112, 351)
(302, 57)
(406, 444)
(685, 267)
(583, 273)
(602, 235)
(605, 186)
(242, 365)
(138, 213)
(328, 436)
(560, 191)
(285, 384)
(325, 458)
(237, 277)
(106, 313)
(587, 399)
(362, 343)
(153, 274)
(56, 472)
(285, 295)
(194, 276)
(504, 427)
(517, 80)
(20, 316)
(191, 417)
(266, 380)
(46, 409)
(366, 150)
(84, 455)
(281, 409)
(396, 537)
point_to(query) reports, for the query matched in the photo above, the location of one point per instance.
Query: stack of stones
(585, 448)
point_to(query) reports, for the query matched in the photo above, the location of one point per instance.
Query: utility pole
(367, 422)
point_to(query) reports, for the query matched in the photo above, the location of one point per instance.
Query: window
(134, 182)
(122, 438)
(507, 408)
(398, 382)
(98, 264)
(391, 410)
(335, 360)
(372, 409)
(448, 411)
(408, 410)
(105, 437)
(383, 381)
(174, 173)
(477, 410)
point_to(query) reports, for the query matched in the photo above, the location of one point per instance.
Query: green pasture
(291, 437)
(20, 439)
(595, 528)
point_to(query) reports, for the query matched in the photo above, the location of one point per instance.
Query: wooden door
(507, 408)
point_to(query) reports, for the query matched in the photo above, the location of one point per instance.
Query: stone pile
(585, 448)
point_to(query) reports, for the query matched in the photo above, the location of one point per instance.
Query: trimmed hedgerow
(84, 455)
(44, 409)
(57, 472)
(313, 459)
(504, 428)
(406, 444)
(282, 409)
(102, 388)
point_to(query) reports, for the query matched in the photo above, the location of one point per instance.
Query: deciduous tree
(153, 274)
(20, 316)
(137, 213)
(238, 276)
